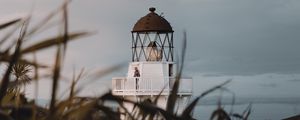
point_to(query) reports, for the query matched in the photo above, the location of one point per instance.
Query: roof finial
(152, 9)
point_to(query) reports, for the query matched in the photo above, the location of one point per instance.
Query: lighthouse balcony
(124, 86)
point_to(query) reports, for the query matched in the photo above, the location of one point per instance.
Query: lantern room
(152, 39)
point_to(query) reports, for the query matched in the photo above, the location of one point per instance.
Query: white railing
(148, 86)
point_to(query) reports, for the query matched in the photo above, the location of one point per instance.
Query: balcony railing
(149, 86)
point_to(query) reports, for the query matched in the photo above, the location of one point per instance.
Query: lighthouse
(152, 70)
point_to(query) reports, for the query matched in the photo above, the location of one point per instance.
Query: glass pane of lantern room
(161, 39)
(141, 54)
(170, 38)
(141, 39)
(151, 36)
(134, 38)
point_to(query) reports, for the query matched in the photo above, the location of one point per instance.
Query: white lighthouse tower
(152, 68)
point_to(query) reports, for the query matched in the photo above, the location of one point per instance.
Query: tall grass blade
(6, 77)
(109, 114)
(66, 24)
(4, 25)
(36, 89)
(235, 115)
(9, 34)
(126, 110)
(61, 39)
(247, 112)
(56, 74)
(74, 82)
(52, 41)
(159, 94)
(233, 98)
(173, 96)
(6, 58)
(220, 114)
(13, 61)
(46, 19)
(189, 109)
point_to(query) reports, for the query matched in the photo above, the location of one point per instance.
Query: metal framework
(152, 46)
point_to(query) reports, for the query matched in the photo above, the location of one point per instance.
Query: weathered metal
(151, 30)
(152, 22)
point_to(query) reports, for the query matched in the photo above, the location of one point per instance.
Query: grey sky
(246, 37)
(256, 38)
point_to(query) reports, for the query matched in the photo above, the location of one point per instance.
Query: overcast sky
(254, 42)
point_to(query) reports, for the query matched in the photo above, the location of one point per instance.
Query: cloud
(244, 37)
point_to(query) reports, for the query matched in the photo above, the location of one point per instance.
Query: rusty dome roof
(152, 22)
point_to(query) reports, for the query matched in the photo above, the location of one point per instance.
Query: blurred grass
(15, 106)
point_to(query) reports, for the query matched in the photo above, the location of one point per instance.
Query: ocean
(260, 111)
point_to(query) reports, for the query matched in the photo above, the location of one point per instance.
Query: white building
(152, 68)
